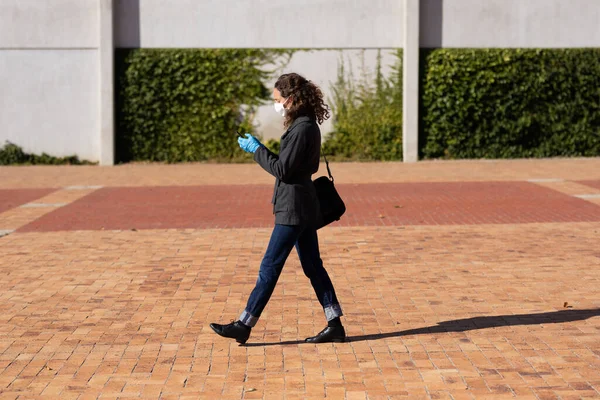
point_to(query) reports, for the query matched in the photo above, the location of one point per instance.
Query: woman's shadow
(468, 324)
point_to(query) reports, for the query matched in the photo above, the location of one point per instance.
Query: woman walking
(295, 205)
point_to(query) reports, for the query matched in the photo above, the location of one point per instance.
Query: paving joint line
(82, 187)
(43, 205)
(545, 180)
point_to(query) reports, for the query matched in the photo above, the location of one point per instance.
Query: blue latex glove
(249, 144)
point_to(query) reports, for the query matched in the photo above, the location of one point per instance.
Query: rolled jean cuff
(333, 311)
(248, 319)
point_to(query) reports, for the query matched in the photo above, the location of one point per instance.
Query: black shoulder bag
(332, 205)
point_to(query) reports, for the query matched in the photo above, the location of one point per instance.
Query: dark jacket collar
(300, 119)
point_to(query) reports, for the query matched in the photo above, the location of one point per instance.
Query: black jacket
(294, 197)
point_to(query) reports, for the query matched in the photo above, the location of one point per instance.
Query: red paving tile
(178, 207)
(462, 203)
(11, 198)
(594, 184)
(167, 207)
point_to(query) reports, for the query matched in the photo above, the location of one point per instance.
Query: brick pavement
(592, 184)
(496, 296)
(576, 169)
(16, 197)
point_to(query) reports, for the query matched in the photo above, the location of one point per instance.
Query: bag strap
(328, 170)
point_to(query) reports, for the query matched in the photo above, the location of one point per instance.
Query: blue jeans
(283, 239)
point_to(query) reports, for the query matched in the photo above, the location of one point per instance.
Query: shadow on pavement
(468, 324)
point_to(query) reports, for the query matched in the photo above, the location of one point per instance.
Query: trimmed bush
(185, 105)
(11, 154)
(510, 103)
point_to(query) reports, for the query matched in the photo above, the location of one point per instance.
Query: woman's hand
(249, 144)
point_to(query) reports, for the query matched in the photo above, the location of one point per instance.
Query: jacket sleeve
(284, 165)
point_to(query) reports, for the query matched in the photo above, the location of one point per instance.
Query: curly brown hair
(307, 98)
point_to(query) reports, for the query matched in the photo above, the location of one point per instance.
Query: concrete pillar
(410, 106)
(106, 129)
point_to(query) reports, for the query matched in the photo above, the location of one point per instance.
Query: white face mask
(280, 109)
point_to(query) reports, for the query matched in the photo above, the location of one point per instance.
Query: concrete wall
(49, 101)
(48, 24)
(259, 23)
(355, 23)
(49, 76)
(269, 24)
(510, 23)
(56, 59)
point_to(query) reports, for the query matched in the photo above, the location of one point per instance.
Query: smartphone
(240, 135)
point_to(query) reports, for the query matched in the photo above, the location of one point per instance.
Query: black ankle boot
(235, 330)
(329, 334)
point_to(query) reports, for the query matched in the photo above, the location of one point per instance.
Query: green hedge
(510, 103)
(11, 154)
(185, 105)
